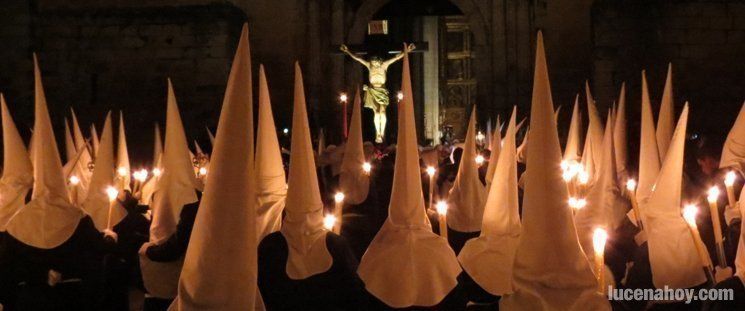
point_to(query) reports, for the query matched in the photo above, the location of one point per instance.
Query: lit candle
(140, 177)
(329, 221)
(431, 173)
(442, 212)
(112, 193)
(480, 159)
(202, 172)
(74, 181)
(631, 194)
(599, 238)
(583, 177)
(713, 196)
(157, 172)
(339, 200)
(400, 96)
(729, 180)
(689, 214)
(480, 137)
(343, 100)
(366, 167)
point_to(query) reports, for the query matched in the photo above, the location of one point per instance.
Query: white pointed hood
(620, 136)
(18, 174)
(649, 156)
(574, 137)
(70, 149)
(222, 248)
(302, 226)
(592, 155)
(175, 188)
(353, 181)
(77, 133)
(405, 249)
(49, 219)
(606, 205)
(467, 196)
(733, 152)
(211, 137)
(270, 172)
(157, 146)
(78, 165)
(122, 155)
(522, 150)
(666, 119)
(488, 259)
(672, 252)
(94, 140)
(550, 271)
(97, 203)
(489, 134)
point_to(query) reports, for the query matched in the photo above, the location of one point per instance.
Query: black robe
(339, 288)
(175, 247)
(78, 258)
(738, 303)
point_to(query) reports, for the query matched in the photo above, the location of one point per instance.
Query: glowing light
(480, 136)
(431, 171)
(480, 159)
(366, 167)
(202, 171)
(74, 180)
(576, 203)
(140, 175)
(583, 177)
(442, 208)
(567, 176)
(689, 214)
(631, 185)
(339, 197)
(599, 237)
(343, 97)
(329, 221)
(122, 171)
(285, 131)
(729, 179)
(157, 172)
(112, 193)
(713, 194)
(400, 96)
(564, 165)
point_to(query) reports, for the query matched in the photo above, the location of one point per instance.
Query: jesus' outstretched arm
(345, 49)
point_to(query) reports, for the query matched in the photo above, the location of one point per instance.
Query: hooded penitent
(176, 187)
(157, 146)
(18, 174)
(619, 134)
(740, 257)
(672, 252)
(733, 153)
(211, 137)
(550, 271)
(649, 156)
(572, 151)
(122, 157)
(353, 181)
(147, 189)
(49, 219)
(270, 173)
(97, 203)
(406, 264)
(466, 199)
(302, 226)
(666, 119)
(222, 248)
(522, 150)
(78, 165)
(488, 259)
(606, 205)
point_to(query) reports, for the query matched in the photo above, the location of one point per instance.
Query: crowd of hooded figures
(506, 220)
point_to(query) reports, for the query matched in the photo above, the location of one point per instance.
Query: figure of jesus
(376, 95)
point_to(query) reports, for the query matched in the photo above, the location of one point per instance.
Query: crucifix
(376, 95)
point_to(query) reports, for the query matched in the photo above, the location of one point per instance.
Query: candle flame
(480, 159)
(442, 208)
(339, 197)
(74, 180)
(431, 171)
(576, 203)
(140, 175)
(202, 171)
(631, 185)
(343, 97)
(599, 237)
(400, 96)
(689, 214)
(480, 136)
(366, 167)
(329, 221)
(583, 177)
(729, 179)
(713, 194)
(564, 165)
(122, 171)
(112, 193)
(157, 172)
